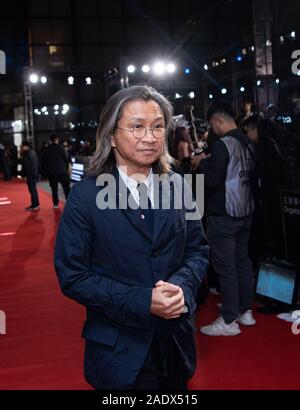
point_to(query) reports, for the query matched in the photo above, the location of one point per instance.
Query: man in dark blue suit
(136, 268)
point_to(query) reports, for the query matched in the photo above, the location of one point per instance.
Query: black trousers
(162, 372)
(228, 240)
(31, 183)
(64, 180)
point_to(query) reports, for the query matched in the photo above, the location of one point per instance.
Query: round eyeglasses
(139, 131)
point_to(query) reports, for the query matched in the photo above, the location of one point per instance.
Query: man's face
(216, 123)
(130, 151)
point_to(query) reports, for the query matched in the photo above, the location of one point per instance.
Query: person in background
(5, 162)
(57, 167)
(230, 206)
(30, 172)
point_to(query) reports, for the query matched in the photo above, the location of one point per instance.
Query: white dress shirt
(132, 185)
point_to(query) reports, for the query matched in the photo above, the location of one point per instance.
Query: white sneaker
(247, 319)
(220, 328)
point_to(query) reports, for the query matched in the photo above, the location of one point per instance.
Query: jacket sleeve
(194, 265)
(119, 302)
(215, 168)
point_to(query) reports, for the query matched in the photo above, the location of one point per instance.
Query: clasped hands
(167, 300)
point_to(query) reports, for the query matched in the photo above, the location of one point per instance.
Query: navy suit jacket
(106, 261)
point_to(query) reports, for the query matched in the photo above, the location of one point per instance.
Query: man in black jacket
(30, 171)
(230, 205)
(56, 165)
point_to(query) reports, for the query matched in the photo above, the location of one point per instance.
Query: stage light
(252, 48)
(210, 96)
(131, 68)
(44, 109)
(46, 113)
(145, 68)
(242, 89)
(88, 81)
(70, 80)
(171, 68)
(65, 109)
(258, 83)
(43, 79)
(159, 68)
(205, 67)
(224, 91)
(281, 39)
(277, 81)
(177, 95)
(36, 111)
(34, 78)
(187, 71)
(56, 112)
(298, 73)
(239, 58)
(192, 94)
(56, 107)
(293, 34)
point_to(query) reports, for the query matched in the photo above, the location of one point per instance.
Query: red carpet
(43, 350)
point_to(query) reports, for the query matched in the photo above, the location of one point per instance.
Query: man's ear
(113, 142)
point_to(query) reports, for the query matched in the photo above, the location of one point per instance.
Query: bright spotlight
(293, 34)
(88, 81)
(70, 80)
(187, 71)
(56, 112)
(192, 94)
(224, 91)
(239, 58)
(258, 83)
(277, 81)
(56, 107)
(34, 78)
(131, 68)
(44, 109)
(36, 111)
(177, 95)
(210, 96)
(46, 113)
(159, 68)
(171, 68)
(66, 107)
(242, 89)
(43, 79)
(205, 67)
(145, 68)
(298, 73)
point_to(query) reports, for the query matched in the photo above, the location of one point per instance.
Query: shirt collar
(132, 183)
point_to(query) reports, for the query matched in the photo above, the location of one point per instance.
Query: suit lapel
(134, 215)
(164, 210)
(161, 214)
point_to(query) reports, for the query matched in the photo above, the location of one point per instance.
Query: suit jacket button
(142, 216)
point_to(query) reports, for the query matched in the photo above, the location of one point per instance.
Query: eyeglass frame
(146, 129)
